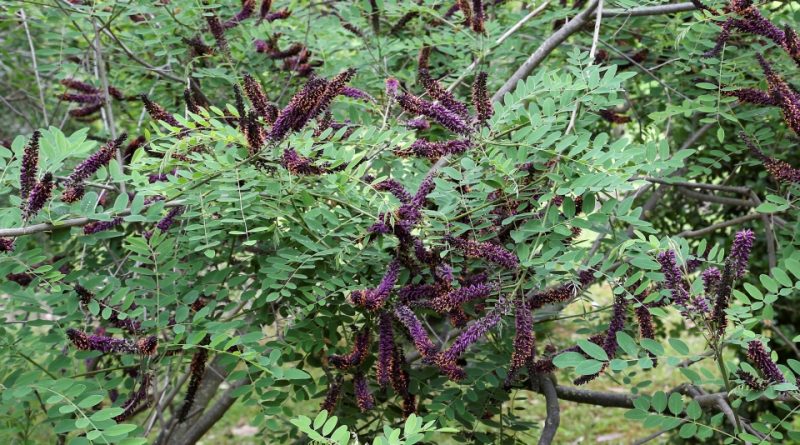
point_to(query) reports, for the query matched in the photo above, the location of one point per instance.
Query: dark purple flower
(740, 251)
(101, 343)
(101, 226)
(464, 7)
(167, 221)
(401, 380)
(357, 355)
(135, 399)
(753, 96)
(374, 299)
(6, 245)
(478, 17)
(447, 118)
(218, 31)
(191, 105)
(364, 398)
(278, 15)
(524, 341)
(473, 333)
(415, 329)
(418, 124)
(786, 96)
(386, 349)
(673, 277)
(416, 292)
(28, 169)
(332, 397)
(147, 345)
(38, 197)
(78, 85)
(457, 297)
(439, 93)
(751, 381)
(263, 10)
(298, 112)
(780, 170)
(355, 93)
(82, 98)
(561, 292)
(248, 8)
(395, 188)
(255, 92)
(75, 188)
(23, 278)
(84, 295)
(760, 357)
(616, 325)
(196, 371)
(391, 87)
(300, 165)
(609, 115)
(645, 319)
(435, 150)
(252, 132)
(481, 100)
(158, 112)
(711, 278)
(484, 250)
(198, 47)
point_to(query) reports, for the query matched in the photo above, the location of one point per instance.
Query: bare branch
(650, 10)
(553, 419)
(721, 225)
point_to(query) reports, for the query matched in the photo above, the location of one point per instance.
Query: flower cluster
(89, 97)
(258, 98)
(197, 369)
(39, 196)
(434, 150)
(735, 266)
(560, 293)
(416, 331)
(780, 170)
(357, 355)
(386, 347)
(364, 398)
(481, 100)
(332, 396)
(6, 245)
(75, 190)
(674, 278)
(524, 341)
(29, 167)
(86, 342)
(439, 113)
(135, 400)
(101, 226)
(484, 250)
(373, 299)
(760, 357)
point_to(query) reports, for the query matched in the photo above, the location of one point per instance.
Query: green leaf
(652, 346)
(675, 403)
(589, 367)
(679, 346)
(320, 419)
(568, 359)
(627, 343)
(90, 401)
(659, 401)
(593, 350)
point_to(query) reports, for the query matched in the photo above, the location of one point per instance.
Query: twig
(650, 10)
(707, 197)
(721, 225)
(595, 37)
(35, 65)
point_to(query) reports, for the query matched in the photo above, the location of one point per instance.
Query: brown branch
(201, 426)
(707, 197)
(721, 225)
(650, 10)
(548, 389)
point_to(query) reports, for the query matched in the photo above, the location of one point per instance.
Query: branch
(207, 420)
(545, 49)
(650, 10)
(707, 197)
(721, 225)
(553, 419)
(46, 227)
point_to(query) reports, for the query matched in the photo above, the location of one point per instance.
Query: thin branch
(35, 65)
(107, 108)
(721, 225)
(47, 227)
(595, 37)
(211, 416)
(707, 197)
(547, 388)
(650, 10)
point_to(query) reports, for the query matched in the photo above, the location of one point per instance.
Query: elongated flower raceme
(361, 346)
(524, 341)
(474, 333)
(735, 267)
(332, 397)
(86, 342)
(167, 221)
(28, 169)
(248, 8)
(418, 124)
(395, 188)
(711, 278)
(84, 295)
(255, 93)
(158, 112)
(487, 251)
(335, 87)
(465, 8)
(560, 293)
(298, 112)
(674, 278)
(75, 188)
(416, 331)
(760, 357)
(6, 245)
(401, 380)
(753, 96)
(481, 100)
(283, 14)
(447, 118)
(135, 399)
(252, 132)
(196, 371)
(434, 150)
(75, 84)
(609, 344)
(86, 111)
(218, 31)
(363, 395)
(780, 170)
(392, 86)
(300, 165)
(436, 91)
(751, 381)
(373, 299)
(458, 297)
(355, 93)
(787, 98)
(386, 347)
(39, 196)
(101, 226)
(478, 17)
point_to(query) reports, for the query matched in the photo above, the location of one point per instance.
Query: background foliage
(631, 136)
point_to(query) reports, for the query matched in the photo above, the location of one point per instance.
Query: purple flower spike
(218, 31)
(101, 226)
(780, 170)
(760, 357)
(391, 87)
(386, 348)
(440, 94)
(674, 277)
(86, 342)
(374, 299)
(740, 251)
(753, 96)
(481, 100)
(357, 355)
(355, 93)
(395, 188)
(248, 8)
(418, 124)
(78, 85)
(561, 292)
(29, 166)
(435, 150)
(364, 398)
(196, 370)
(38, 197)
(158, 112)
(711, 278)
(255, 93)
(75, 187)
(616, 325)
(456, 298)
(473, 334)
(417, 332)
(298, 112)
(135, 399)
(447, 118)
(167, 221)
(6, 245)
(524, 341)
(487, 251)
(332, 397)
